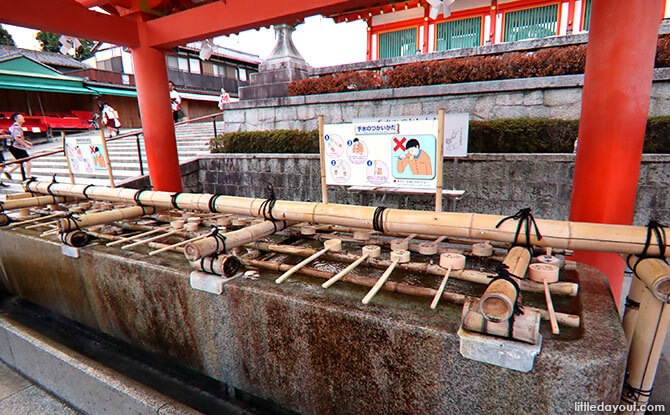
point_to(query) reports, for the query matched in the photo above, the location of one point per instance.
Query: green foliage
(512, 135)
(522, 135)
(50, 43)
(277, 141)
(6, 37)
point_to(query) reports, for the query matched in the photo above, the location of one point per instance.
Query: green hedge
(276, 141)
(514, 135)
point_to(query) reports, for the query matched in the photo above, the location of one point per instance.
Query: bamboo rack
(568, 320)
(559, 234)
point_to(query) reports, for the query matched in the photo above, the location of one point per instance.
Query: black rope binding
(517, 309)
(220, 240)
(72, 221)
(30, 180)
(83, 192)
(173, 200)
(657, 230)
(632, 395)
(378, 219)
(268, 205)
(212, 203)
(525, 217)
(136, 198)
(53, 181)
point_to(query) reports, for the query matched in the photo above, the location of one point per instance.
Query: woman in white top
(110, 118)
(175, 101)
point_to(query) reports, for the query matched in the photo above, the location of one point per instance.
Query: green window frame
(398, 43)
(534, 23)
(587, 15)
(459, 34)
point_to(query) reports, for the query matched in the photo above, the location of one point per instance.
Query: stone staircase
(192, 140)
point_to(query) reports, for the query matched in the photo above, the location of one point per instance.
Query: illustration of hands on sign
(415, 153)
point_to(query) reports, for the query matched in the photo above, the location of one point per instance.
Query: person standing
(175, 101)
(223, 99)
(110, 118)
(19, 145)
(4, 144)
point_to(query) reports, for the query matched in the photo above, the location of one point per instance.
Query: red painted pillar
(157, 122)
(493, 14)
(426, 29)
(615, 103)
(368, 52)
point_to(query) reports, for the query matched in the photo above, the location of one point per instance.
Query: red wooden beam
(232, 16)
(70, 18)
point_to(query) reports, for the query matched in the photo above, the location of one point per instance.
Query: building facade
(405, 28)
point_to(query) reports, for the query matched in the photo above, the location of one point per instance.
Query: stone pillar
(285, 64)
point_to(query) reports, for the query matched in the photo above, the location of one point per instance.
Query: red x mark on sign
(399, 144)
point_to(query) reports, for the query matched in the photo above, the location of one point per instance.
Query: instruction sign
(394, 153)
(86, 155)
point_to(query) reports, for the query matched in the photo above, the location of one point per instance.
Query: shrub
(277, 141)
(514, 135)
(565, 60)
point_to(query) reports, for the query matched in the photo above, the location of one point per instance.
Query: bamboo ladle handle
(369, 251)
(397, 257)
(330, 245)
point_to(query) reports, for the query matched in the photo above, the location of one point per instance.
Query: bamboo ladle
(369, 251)
(329, 245)
(397, 257)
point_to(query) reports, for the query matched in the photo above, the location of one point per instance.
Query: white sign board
(455, 130)
(86, 155)
(381, 154)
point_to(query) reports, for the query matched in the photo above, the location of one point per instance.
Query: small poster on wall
(399, 154)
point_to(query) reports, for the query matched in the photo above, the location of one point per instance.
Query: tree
(50, 43)
(5, 37)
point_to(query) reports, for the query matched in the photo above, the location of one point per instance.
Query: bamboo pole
(439, 159)
(224, 265)
(654, 273)
(322, 155)
(14, 196)
(525, 326)
(645, 351)
(630, 316)
(568, 320)
(558, 234)
(68, 224)
(30, 202)
(109, 162)
(477, 277)
(67, 158)
(216, 244)
(497, 303)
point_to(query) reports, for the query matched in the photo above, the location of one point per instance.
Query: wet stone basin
(320, 351)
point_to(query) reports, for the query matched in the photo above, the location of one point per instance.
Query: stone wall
(556, 97)
(494, 183)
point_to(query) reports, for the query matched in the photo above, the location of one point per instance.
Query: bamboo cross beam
(568, 320)
(477, 277)
(217, 243)
(331, 245)
(30, 202)
(369, 251)
(101, 218)
(558, 234)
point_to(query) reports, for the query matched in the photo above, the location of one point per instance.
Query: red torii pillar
(159, 136)
(615, 103)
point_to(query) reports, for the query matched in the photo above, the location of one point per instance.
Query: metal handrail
(134, 133)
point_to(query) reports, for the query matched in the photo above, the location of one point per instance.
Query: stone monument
(285, 64)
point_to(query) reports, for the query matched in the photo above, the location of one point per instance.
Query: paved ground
(20, 396)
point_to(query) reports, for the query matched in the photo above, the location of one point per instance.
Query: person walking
(223, 99)
(19, 145)
(110, 118)
(175, 101)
